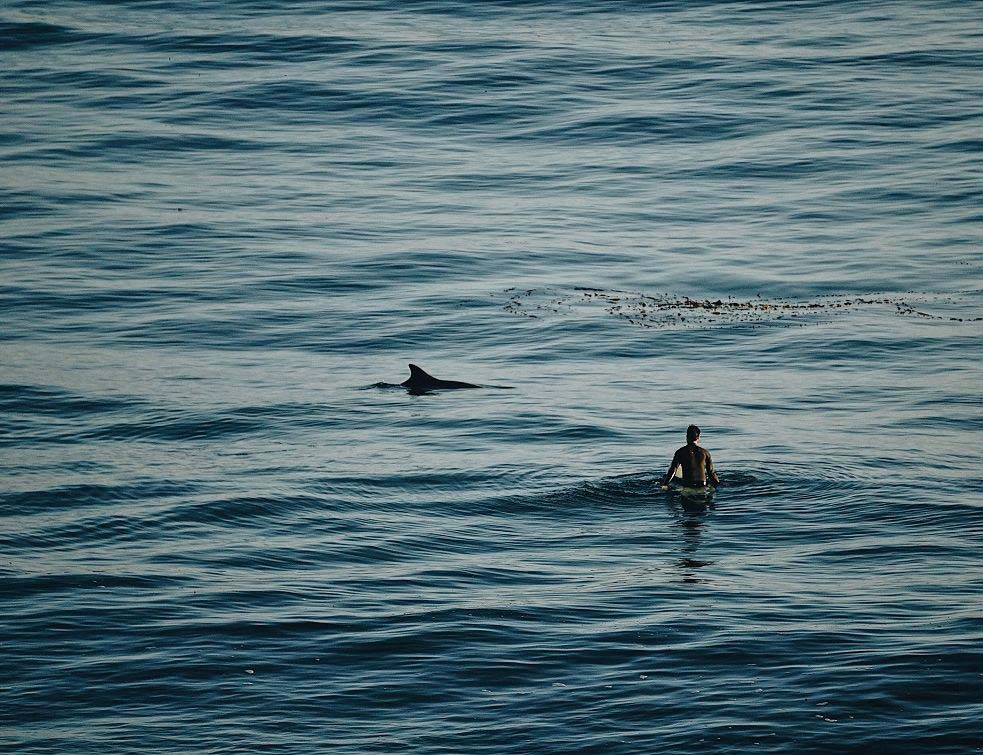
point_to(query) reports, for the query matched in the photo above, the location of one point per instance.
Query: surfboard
(705, 492)
(676, 485)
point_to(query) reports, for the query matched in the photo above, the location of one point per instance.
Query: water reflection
(690, 515)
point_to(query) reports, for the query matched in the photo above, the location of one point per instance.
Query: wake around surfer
(695, 461)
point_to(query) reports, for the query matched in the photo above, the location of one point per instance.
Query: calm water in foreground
(221, 224)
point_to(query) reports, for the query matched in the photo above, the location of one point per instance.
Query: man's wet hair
(692, 433)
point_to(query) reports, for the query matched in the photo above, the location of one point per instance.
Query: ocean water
(223, 224)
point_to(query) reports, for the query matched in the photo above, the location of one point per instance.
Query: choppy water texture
(223, 223)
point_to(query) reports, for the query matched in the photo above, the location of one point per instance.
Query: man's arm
(711, 474)
(672, 470)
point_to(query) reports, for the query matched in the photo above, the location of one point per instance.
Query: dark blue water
(222, 223)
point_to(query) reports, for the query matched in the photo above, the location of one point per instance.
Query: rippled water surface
(222, 225)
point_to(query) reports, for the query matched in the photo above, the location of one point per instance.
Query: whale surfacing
(420, 381)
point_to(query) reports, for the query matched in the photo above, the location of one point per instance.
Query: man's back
(696, 465)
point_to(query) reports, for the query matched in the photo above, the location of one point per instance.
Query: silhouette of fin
(420, 381)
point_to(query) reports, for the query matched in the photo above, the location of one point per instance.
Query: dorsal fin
(421, 380)
(418, 373)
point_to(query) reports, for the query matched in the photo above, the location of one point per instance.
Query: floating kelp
(669, 310)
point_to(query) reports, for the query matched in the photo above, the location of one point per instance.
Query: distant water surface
(222, 223)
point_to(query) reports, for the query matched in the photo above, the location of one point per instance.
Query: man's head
(692, 434)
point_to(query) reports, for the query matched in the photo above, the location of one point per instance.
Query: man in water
(695, 461)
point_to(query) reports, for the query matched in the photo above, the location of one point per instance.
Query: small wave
(20, 36)
(73, 497)
(200, 427)
(71, 534)
(45, 586)
(640, 130)
(252, 48)
(39, 400)
(248, 512)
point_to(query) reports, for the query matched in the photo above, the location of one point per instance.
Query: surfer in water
(695, 461)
